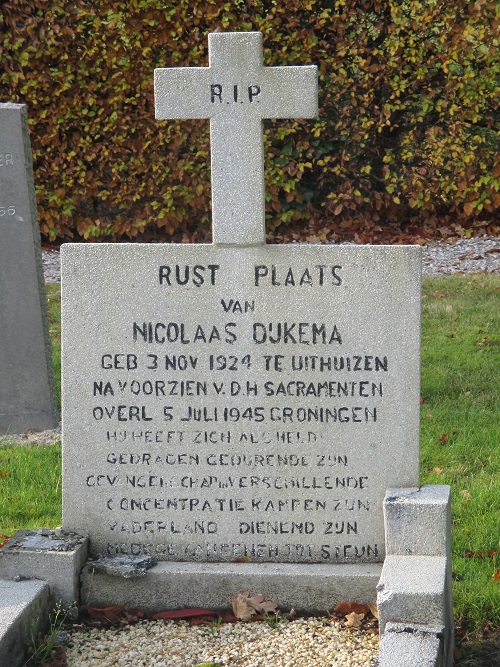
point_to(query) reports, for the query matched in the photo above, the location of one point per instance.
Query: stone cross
(236, 92)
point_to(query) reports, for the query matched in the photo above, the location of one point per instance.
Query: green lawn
(460, 436)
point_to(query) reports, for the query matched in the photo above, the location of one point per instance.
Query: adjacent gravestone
(238, 400)
(26, 389)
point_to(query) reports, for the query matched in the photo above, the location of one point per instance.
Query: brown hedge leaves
(406, 134)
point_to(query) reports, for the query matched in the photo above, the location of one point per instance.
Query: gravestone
(26, 388)
(238, 400)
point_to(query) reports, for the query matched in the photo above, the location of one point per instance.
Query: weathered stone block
(24, 607)
(418, 521)
(56, 560)
(411, 646)
(413, 589)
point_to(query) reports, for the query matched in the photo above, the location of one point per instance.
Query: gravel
(311, 642)
(480, 254)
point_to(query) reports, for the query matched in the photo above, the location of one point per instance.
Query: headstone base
(305, 588)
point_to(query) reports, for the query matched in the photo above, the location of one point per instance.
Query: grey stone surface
(128, 567)
(222, 402)
(58, 561)
(418, 522)
(23, 605)
(411, 646)
(26, 388)
(413, 589)
(236, 92)
(305, 588)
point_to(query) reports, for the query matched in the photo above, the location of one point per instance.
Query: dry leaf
(438, 470)
(353, 620)
(245, 605)
(373, 609)
(496, 576)
(449, 308)
(346, 608)
(106, 613)
(184, 613)
(465, 494)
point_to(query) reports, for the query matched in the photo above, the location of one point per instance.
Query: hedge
(407, 133)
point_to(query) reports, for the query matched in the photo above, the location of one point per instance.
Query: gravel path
(311, 642)
(479, 254)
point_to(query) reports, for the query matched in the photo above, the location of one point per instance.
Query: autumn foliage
(406, 136)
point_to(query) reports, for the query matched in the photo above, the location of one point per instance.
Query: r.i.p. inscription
(240, 399)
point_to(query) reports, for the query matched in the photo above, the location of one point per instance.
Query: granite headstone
(238, 400)
(26, 386)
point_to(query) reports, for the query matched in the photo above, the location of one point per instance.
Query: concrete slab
(411, 646)
(57, 560)
(418, 521)
(412, 589)
(24, 608)
(305, 588)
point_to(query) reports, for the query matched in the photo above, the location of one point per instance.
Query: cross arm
(293, 92)
(181, 93)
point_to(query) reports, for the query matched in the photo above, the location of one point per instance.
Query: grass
(54, 310)
(460, 436)
(460, 430)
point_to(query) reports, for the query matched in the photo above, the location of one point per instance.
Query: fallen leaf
(440, 295)
(444, 437)
(438, 470)
(493, 250)
(346, 608)
(449, 308)
(496, 576)
(353, 620)
(492, 553)
(242, 559)
(200, 620)
(106, 613)
(422, 400)
(465, 494)
(185, 613)
(373, 609)
(246, 605)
